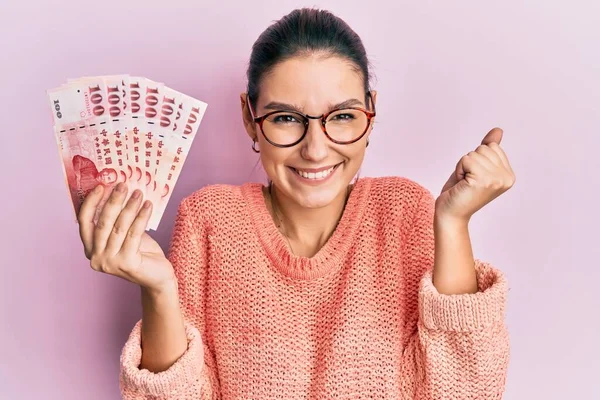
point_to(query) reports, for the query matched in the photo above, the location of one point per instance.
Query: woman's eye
(285, 119)
(342, 117)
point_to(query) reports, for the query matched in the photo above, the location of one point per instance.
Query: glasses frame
(259, 120)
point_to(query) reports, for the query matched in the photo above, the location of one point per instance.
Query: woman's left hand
(480, 176)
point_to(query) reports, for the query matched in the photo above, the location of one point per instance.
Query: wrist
(166, 289)
(450, 222)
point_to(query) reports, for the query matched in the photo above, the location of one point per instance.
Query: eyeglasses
(288, 128)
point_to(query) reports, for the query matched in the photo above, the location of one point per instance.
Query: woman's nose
(315, 143)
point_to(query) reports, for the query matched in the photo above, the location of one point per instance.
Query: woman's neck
(307, 229)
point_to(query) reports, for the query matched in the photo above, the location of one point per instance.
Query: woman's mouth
(315, 176)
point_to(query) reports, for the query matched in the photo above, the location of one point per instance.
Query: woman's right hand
(118, 243)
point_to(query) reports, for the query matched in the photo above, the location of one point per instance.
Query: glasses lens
(284, 127)
(346, 125)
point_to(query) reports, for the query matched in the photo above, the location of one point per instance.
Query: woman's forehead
(312, 81)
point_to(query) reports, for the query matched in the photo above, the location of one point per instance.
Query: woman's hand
(479, 177)
(118, 243)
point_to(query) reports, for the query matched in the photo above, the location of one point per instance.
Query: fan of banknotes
(120, 128)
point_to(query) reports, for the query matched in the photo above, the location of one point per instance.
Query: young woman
(319, 285)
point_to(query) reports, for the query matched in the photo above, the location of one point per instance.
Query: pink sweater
(359, 320)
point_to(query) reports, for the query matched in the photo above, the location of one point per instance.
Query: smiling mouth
(316, 175)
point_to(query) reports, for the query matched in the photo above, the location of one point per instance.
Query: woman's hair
(304, 32)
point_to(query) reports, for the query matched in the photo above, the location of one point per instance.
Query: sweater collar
(330, 257)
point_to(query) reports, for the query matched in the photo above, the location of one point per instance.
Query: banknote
(176, 149)
(82, 130)
(120, 128)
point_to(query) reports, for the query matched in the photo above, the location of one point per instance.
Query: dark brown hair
(304, 32)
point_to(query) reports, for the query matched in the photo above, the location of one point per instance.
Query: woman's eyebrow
(347, 103)
(278, 106)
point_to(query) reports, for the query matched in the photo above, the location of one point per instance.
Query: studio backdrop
(446, 73)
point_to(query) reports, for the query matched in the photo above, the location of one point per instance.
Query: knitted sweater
(359, 320)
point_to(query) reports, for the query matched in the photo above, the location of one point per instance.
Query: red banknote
(119, 128)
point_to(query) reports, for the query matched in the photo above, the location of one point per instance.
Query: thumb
(493, 136)
(453, 180)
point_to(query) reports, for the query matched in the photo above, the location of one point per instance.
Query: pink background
(447, 73)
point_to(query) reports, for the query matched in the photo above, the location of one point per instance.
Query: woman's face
(313, 85)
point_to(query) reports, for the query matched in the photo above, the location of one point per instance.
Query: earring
(367, 143)
(254, 146)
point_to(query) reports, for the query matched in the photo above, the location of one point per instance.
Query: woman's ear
(374, 95)
(247, 117)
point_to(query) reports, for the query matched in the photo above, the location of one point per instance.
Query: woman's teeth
(312, 175)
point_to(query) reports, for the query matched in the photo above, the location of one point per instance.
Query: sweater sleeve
(193, 375)
(459, 346)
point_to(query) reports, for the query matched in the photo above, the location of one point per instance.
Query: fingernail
(136, 194)
(97, 189)
(121, 187)
(147, 204)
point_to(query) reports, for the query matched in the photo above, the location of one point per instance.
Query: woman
(318, 285)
